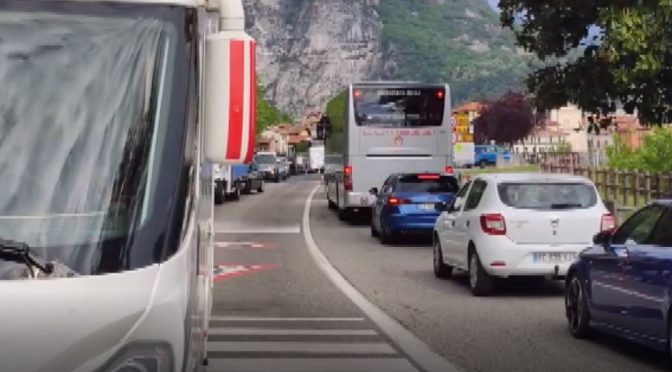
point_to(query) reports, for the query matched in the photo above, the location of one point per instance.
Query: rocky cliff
(311, 49)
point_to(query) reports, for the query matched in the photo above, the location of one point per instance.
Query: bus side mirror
(229, 96)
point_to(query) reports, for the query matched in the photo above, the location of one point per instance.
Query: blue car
(623, 284)
(410, 203)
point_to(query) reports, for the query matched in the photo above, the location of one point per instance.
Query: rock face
(311, 49)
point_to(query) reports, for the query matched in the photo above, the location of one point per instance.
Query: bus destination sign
(399, 92)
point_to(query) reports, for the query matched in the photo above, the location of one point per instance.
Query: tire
(482, 164)
(261, 186)
(248, 187)
(331, 204)
(236, 194)
(375, 233)
(480, 282)
(344, 214)
(277, 178)
(576, 308)
(219, 194)
(441, 270)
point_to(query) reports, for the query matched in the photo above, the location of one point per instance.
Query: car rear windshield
(547, 195)
(430, 184)
(265, 159)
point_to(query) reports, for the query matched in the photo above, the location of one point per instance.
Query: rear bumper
(410, 222)
(502, 258)
(354, 199)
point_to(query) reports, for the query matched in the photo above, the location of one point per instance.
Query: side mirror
(603, 238)
(373, 191)
(228, 115)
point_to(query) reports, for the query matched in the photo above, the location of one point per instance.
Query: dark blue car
(410, 203)
(622, 284)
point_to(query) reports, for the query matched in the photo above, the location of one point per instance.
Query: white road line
(229, 229)
(303, 347)
(311, 365)
(250, 319)
(290, 332)
(417, 350)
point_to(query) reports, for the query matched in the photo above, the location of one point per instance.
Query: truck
(107, 233)
(231, 181)
(316, 158)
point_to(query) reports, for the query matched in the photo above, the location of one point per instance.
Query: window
(387, 185)
(399, 107)
(475, 195)
(662, 234)
(463, 190)
(547, 195)
(638, 228)
(416, 183)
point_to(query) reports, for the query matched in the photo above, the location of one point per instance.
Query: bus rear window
(419, 183)
(399, 107)
(547, 196)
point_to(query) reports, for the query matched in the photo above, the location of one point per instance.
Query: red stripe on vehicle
(253, 103)
(237, 77)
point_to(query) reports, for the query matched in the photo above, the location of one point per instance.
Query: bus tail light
(448, 169)
(493, 224)
(347, 178)
(393, 200)
(608, 222)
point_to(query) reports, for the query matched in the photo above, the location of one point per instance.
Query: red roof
(469, 107)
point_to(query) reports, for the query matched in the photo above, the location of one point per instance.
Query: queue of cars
(497, 226)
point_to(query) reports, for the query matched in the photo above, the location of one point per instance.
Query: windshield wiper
(565, 205)
(20, 252)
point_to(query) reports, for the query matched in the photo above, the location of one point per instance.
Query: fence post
(647, 187)
(635, 189)
(658, 184)
(605, 177)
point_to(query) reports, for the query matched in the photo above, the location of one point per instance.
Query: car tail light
(428, 177)
(608, 222)
(493, 224)
(448, 169)
(393, 200)
(347, 178)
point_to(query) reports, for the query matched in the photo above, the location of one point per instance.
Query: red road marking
(228, 271)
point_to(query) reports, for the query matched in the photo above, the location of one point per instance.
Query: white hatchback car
(503, 225)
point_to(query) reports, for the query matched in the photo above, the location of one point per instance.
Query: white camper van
(114, 112)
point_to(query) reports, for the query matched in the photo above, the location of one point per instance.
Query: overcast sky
(493, 4)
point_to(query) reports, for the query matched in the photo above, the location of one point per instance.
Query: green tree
(336, 111)
(652, 156)
(267, 114)
(629, 62)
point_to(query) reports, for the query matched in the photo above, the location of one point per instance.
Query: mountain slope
(309, 50)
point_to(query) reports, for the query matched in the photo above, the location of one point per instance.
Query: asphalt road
(521, 329)
(274, 310)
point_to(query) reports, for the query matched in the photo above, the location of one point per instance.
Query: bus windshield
(81, 119)
(399, 107)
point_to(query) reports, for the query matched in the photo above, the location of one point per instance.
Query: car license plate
(553, 257)
(426, 207)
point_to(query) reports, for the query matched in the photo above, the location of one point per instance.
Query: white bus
(106, 211)
(389, 127)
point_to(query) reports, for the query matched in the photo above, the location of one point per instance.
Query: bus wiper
(20, 252)
(565, 205)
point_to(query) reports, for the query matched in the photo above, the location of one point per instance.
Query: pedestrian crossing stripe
(243, 245)
(222, 272)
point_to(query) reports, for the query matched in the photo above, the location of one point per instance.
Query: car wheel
(480, 282)
(248, 187)
(331, 204)
(219, 194)
(374, 232)
(576, 308)
(441, 270)
(277, 178)
(236, 193)
(261, 186)
(482, 164)
(344, 214)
